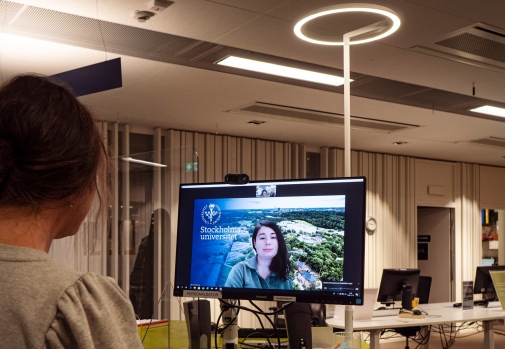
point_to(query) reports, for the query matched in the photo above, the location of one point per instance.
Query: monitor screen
(289, 240)
(483, 283)
(487, 261)
(393, 282)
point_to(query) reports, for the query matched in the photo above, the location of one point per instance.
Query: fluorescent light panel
(281, 70)
(148, 163)
(490, 110)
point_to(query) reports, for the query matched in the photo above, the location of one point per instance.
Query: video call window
(283, 240)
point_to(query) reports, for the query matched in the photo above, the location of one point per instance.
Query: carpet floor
(470, 339)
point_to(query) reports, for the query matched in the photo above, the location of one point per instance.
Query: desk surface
(438, 313)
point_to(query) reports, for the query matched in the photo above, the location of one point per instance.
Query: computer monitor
(311, 231)
(487, 261)
(483, 283)
(393, 284)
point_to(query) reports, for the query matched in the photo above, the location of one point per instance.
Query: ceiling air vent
(479, 44)
(490, 142)
(280, 112)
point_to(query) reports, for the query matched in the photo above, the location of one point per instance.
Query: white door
(435, 245)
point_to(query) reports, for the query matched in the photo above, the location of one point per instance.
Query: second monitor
(484, 284)
(398, 285)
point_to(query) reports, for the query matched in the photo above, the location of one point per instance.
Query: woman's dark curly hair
(50, 147)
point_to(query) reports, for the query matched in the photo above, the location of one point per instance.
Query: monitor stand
(230, 329)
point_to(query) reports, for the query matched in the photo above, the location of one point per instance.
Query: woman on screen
(269, 268)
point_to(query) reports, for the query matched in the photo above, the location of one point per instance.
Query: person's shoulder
(92, 303)
(91, 289)
(246, 264)
(98, 284)
(93, 277)
(251, 263)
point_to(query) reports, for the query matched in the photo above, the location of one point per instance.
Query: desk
(159, 333)
(438, 314)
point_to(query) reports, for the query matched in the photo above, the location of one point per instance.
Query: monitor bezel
(359, 188)
(391, 281)
(483, 278)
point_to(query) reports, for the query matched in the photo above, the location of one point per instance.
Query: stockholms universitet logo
(211, 214)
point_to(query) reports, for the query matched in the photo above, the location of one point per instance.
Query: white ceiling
(168, 95)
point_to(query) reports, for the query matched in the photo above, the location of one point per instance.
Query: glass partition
(141, 233)
(132, 240)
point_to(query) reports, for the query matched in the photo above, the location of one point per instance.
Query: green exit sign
(191, 166)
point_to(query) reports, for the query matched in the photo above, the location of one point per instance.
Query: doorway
(435, 236)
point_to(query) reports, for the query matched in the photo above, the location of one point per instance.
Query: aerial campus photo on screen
(312, 227)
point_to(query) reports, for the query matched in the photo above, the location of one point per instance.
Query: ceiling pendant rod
(347, 90)
(347, 108)
(349, 310)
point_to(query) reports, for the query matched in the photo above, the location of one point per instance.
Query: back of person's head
(50, 147)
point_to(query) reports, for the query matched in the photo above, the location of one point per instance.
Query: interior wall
(468, 244)
(390, 183)
(218, 155)
(391, 199)
(86, 250)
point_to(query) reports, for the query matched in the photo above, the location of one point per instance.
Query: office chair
(423, 289)
(423, 293)
(317, 311)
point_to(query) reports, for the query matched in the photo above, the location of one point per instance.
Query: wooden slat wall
(390, 199)
(161, 242)
(86, 251)
(217, 156)
(468, 240)
(390, 192)
(113, 267)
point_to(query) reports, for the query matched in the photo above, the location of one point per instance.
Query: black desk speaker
(298, 318)
(197, 315)
(407, 297)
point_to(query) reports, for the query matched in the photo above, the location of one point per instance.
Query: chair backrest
(423, 289)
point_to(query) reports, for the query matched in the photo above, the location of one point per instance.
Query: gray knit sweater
(44, 305)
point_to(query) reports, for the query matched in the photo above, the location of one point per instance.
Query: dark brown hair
(50, 147)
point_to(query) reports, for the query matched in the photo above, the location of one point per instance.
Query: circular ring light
(370, 8)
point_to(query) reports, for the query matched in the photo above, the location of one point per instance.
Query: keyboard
(386, 312)
(481, 302)
(494, 304)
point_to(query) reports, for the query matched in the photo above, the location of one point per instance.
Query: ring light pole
(376, 27)
(347, 106)
(349, 309)
(369, 33)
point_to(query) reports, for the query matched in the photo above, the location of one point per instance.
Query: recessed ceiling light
(388, 29)
(399, 143)
(281, 70)
(490, 110)
(256, 122)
